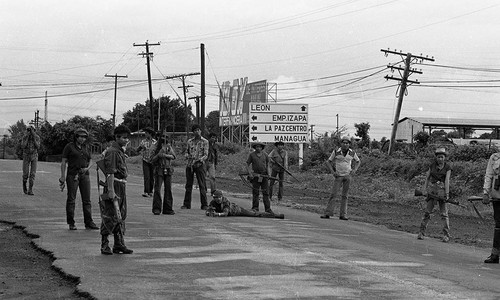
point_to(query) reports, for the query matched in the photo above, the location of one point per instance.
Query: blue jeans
(339, 182)
(200, 176)
(147, 170)
(74, 182)
(168, 199)
(29, 167)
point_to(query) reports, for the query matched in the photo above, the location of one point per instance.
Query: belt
(121, 180)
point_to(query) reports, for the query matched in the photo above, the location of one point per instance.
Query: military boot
(30, 190)
(119, 246)
(105, 245)
(25, 188)
(492, 259)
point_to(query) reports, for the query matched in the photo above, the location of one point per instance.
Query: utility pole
(312, 132)
(114, 102)
(46, 112)
(184, 88)
(202, 70)
(337, 131)
(197, 101)
(404, 82)
(149, 56)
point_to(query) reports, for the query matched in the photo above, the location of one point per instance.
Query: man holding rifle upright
(491, 192)
(258, 175)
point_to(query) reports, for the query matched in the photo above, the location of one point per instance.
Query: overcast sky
(324, 53)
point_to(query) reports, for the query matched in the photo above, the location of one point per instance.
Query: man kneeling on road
(221, 207)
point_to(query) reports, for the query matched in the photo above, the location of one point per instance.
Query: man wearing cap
(146, 147)
(221, 207)
(196, 155)
(491, 192)
(30, 144)
(437, 188)
(115, 168)
(343, 163)
(279, 163)
(78, 161)
(258, 174)
(211, 164)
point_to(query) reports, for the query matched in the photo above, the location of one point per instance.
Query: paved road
(190, 256)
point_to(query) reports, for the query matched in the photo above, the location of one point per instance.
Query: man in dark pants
(196, 155)
(115, 168)
(76, 156)
(279, 163)
(221, 207)
(259, 161)
(491, 191)
(146, 147)
(30, 144)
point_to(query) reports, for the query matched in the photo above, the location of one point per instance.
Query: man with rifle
(114, 206)
(279, 164)
(258, 172)
(491, 192)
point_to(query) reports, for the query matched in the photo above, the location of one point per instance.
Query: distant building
(409, 126)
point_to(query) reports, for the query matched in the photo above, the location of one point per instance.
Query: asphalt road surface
(191, 256)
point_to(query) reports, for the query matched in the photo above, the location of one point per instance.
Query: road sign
(273, 122)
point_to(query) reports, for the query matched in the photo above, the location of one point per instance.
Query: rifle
(281, 166)
(241, 174)
(473, 199)
(419, 193)
(104, 197)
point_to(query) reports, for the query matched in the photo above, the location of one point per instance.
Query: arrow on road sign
(254, 127)
(254, 117)
(303, 108)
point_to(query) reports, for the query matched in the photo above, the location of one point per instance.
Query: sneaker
(445, 239)
(420, 236)
(72, 227)
(106, 251)
(325, 217)
(343, 218)
(91, 226)
(492, 259)
(145, 194)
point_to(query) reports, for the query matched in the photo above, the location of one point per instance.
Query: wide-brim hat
(440, 151)
(255, 144)
(149, 130)
(81, 131)
(345, 139)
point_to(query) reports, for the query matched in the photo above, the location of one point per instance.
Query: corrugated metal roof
(450, 122)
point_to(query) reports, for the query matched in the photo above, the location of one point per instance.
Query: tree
(421, 138)
(362, 132)
(212, 121)
(172, 115)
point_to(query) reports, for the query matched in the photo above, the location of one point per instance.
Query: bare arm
(447, 184)
(63, 169)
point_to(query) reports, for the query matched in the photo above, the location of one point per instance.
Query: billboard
(234, 100)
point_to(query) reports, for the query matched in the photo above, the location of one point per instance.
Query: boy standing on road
(342, 167)
(211, 165)
(30, 144)
(146, 147)
(258, 175)
(491, 192)
(196, 155)
(115, 168)
(78, 159)
(279, 163)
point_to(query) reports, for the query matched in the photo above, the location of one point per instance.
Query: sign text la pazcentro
(273, 122)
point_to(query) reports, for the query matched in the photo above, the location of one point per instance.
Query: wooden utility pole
(114, 102)
(202, 116)
(404, 82)
(184, 88)
(149, 56)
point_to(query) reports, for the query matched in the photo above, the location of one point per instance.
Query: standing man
(115, 168)
(211, 165)
(196, 155)
(279, 163)
(78, 159)
(342, 169)
(30, 144)
(491, 192)
(258, 175)
(146, 147)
